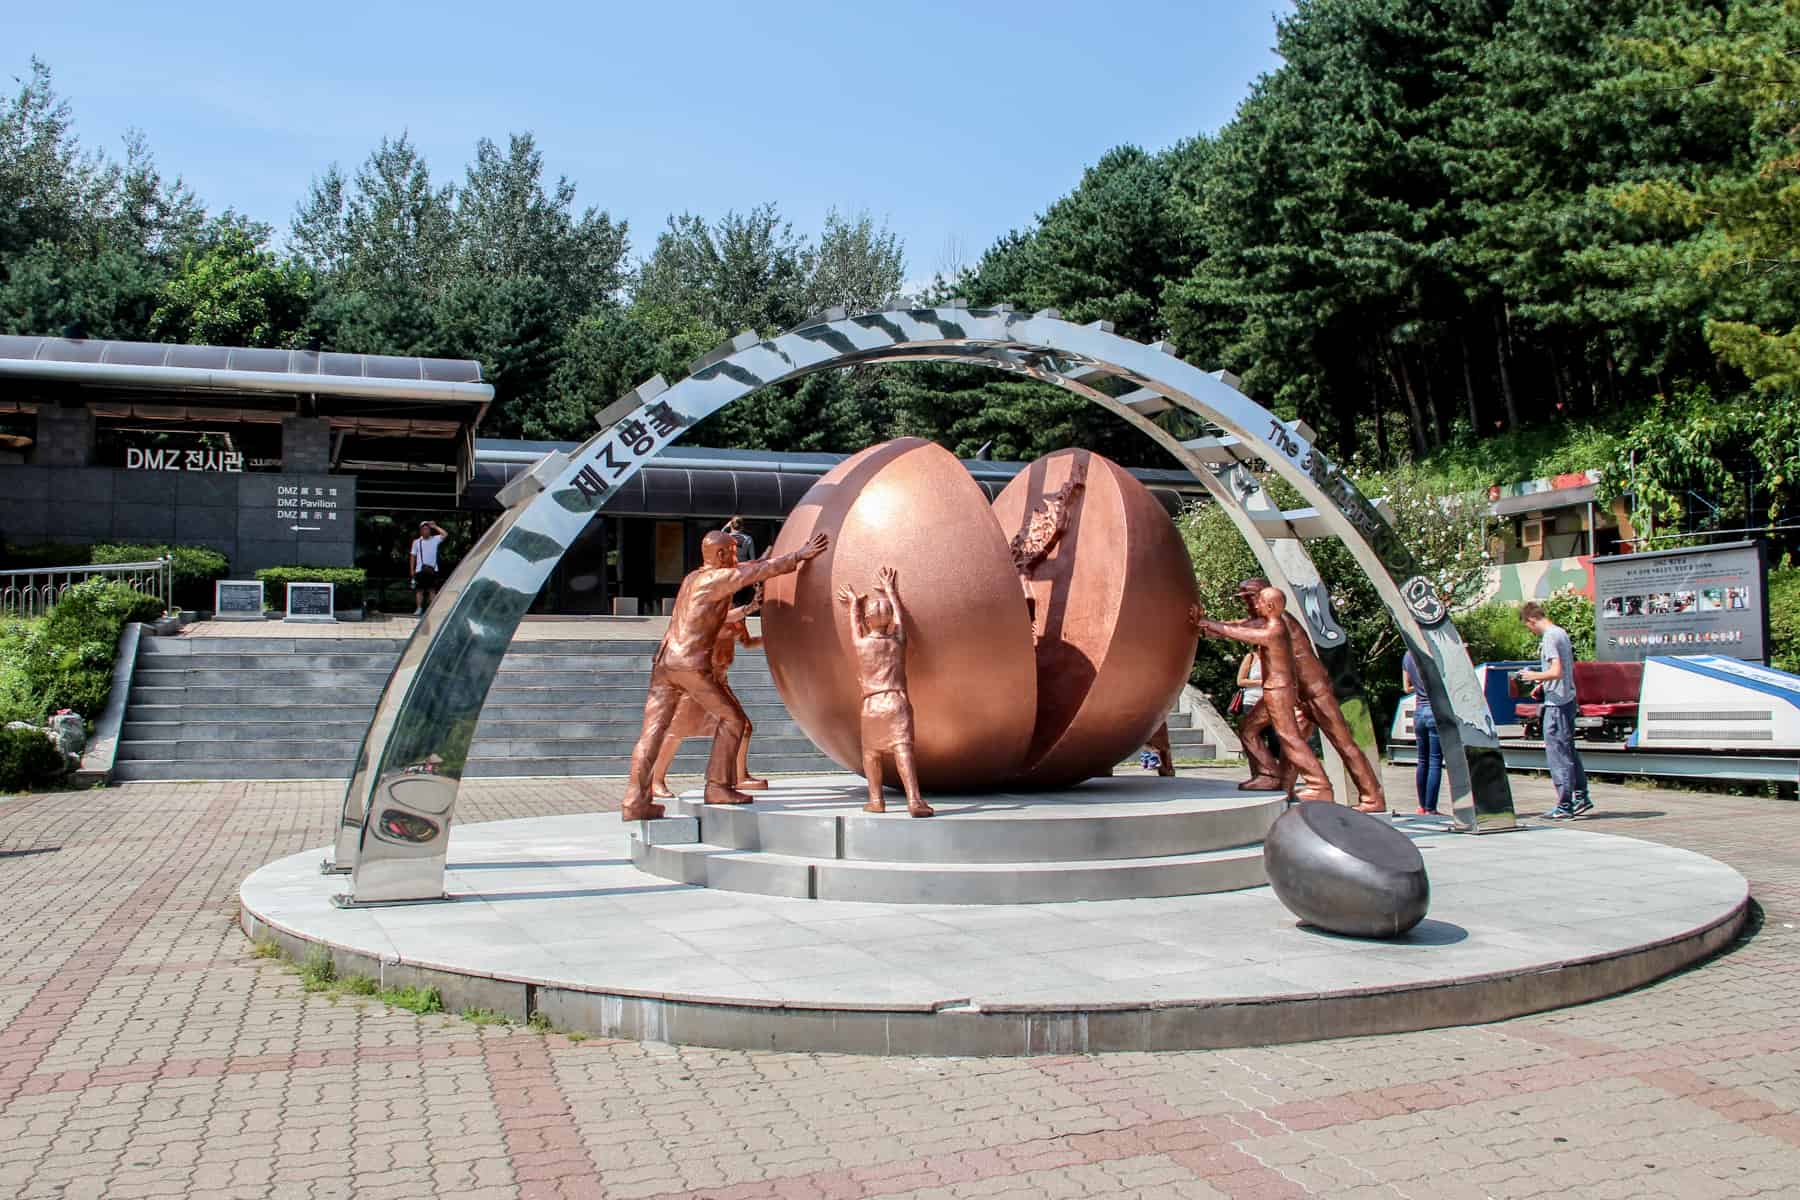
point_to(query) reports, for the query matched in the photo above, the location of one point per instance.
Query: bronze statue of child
(879, 633)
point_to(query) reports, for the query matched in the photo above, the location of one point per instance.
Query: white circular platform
(549, 916)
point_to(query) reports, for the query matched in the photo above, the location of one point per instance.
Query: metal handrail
(31, 591)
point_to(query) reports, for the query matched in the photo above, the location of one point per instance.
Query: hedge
(65, 658)
(196, 568)
(1494, 633)
(351, 583)
(29, 761)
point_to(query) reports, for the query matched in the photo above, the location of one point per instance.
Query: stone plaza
(149, 1051)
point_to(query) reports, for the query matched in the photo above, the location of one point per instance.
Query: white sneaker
(418, 612)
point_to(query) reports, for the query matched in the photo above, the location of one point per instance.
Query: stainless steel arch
(400, 805)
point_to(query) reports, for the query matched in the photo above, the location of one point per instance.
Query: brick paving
(145, 1051)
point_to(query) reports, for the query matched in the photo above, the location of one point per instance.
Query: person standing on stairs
(422, 564)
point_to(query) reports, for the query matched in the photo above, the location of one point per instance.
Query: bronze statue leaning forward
(1318, 700)
(879, 634)
(1274, 642)
(683, 666)
(693, 721)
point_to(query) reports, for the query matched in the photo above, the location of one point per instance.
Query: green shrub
(1784, 619)
(351, 582)
(65, 658)
(195, 568)
(28, 762)
(1575, 613)
(1494, 632)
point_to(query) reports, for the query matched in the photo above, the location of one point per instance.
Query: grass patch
(484, 1016)
(421, 1000)
(317, 973)
(539, 1023)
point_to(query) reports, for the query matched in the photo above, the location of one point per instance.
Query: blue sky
(950, 122)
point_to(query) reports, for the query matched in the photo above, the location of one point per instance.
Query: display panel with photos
(1698, 600)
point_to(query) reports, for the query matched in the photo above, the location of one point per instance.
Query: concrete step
(134, 770)
(339, 660)
(611, 699)
(777, 725)
(254, 695)
(686, 763)
(1120, 818)
(159, 646)
(237, 715)
(191, 730)
(548, 710)
(332, 749)
(769, 874)
(584, 747)
(298, 677)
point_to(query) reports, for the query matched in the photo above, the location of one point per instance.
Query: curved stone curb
(1000, 1030)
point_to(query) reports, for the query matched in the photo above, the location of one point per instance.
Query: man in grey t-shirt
(1556, 675)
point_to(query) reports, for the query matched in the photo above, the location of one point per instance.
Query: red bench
(1606, 701)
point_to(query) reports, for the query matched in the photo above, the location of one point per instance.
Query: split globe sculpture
(1047, 635)
(400, 805)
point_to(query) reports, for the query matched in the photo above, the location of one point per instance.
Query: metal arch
(400, 804)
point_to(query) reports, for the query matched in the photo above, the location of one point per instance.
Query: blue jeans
(1567, 774)
(1430, 771)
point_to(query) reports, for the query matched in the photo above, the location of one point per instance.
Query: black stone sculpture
(1346, 872)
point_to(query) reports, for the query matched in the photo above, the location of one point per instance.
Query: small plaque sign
(311, 601)
(238, 599)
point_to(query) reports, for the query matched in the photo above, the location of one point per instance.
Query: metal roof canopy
(154, 365)
(701, 481)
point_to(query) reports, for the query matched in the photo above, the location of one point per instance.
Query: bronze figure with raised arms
(684, 666)
(878, 634)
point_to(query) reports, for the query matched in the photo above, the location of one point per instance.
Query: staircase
(296, 708)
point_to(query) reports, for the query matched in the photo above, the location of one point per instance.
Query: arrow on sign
(300, 528)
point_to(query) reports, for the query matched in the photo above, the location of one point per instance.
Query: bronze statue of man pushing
(684, 666)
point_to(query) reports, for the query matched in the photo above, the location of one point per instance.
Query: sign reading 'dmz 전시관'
(1702, 600)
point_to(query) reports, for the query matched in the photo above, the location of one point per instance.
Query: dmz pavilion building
(268, 456)
(280, 457)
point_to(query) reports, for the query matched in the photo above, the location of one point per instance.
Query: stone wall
(256, 519)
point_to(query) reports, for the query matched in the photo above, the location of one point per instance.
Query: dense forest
(1437, 222)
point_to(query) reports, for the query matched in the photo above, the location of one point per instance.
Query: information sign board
(311, 602)
(1697, 600)
(238, 600)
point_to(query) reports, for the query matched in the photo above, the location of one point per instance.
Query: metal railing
(32, 592)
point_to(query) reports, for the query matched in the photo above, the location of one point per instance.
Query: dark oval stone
(1346, 871)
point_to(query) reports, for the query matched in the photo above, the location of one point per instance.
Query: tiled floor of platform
(555, 900)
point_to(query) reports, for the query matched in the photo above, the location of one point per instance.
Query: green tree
(68, 292)
(390, 228)
(858, 266)
(746, 271)
(508, 226)
(1744, 61)
(231, 290)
